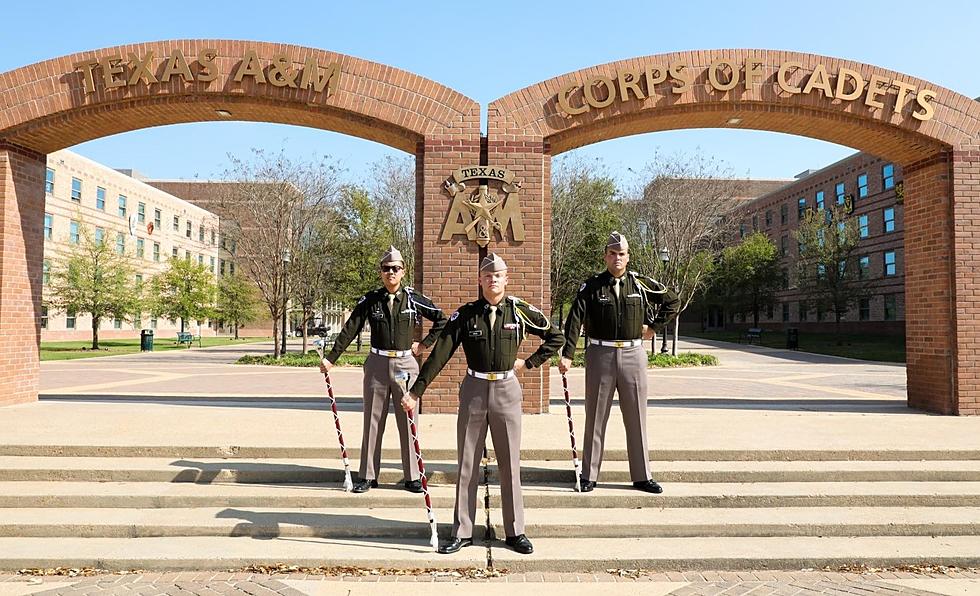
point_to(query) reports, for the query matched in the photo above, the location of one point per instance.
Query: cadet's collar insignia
(582, 287)
(363, 298)
(455, 314)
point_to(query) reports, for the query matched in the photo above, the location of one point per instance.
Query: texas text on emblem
(479, 212)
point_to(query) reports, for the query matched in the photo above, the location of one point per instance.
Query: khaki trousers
(380, 389)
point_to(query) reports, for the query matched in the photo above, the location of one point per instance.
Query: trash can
(792, 338)
(146, 340)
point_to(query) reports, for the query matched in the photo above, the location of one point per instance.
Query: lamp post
(664, 259)
(285, 300)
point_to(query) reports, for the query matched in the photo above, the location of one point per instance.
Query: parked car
(314, 330)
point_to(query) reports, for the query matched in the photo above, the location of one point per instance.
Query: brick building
(871, 183)
(117, 207)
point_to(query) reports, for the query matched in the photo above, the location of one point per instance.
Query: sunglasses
(391, 268)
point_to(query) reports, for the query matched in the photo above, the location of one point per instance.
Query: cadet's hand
(519, 364)
(325, 365)
(416, 348)
(409, 402)
(648, 332)
(564, 364)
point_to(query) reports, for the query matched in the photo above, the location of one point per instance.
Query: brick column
(446, 271)
(965, 183)
(21, 254)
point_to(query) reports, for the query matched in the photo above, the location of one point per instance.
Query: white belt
(491, 376)
(391, 353)
(616, 343)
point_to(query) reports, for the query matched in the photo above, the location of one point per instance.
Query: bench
(753, 334)
(185, 338)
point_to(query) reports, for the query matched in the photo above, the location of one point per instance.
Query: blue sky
(531, 41)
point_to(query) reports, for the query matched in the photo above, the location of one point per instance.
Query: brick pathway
(775, 583)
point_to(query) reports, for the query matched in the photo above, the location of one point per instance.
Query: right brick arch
(934, 135)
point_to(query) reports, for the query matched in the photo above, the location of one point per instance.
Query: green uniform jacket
(490, 350)
(642, 301)
(390, 331)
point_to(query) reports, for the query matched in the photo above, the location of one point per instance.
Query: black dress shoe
(362, 486)
(587, 485)
(520, 544)
(648, 486)
(454, 545)
(413, 486)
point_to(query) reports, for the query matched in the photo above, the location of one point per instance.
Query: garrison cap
(492, 262)
(392, 255)
(617, 242)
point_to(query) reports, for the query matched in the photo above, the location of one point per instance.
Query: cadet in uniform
(491, 330)
(392, 312)
(615, 306)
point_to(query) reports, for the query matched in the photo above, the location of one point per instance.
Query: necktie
(616, 282)
(493, 316)
(391, 303)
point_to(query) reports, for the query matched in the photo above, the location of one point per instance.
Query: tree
(310, 270)
(363, 234)
(583, 213)
(185, 291)
(94, 279)
(827, 269)
(236, 301)
(748, 275)
(274, 201)
(682, 204)
(393, 192)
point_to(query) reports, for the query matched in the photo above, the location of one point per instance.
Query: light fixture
(734, 120)
(223, 113)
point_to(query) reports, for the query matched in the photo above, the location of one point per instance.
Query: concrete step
(561, 451)
(551, 554)
(330, 495)
(257, 470)
(409, 522)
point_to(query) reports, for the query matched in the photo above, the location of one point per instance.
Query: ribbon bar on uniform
(616, 343)
(490, 376)
(391, 353)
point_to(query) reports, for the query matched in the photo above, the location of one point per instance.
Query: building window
(221, 267)
(46, 272)
(176, 223)
(120, 243)
(187, 255)
(803, 309)
(49, 181)
(783, 213)
(200, 260)
(214, 238)
(863, 226)
(769, 312)
(76, 190)
(188, 232)
(741, 230)
(100, 198)
(99, 236)
(784, 246)
(890, 307)
(800, 207)
(212, 264)
(153, 323)
(174, 254)
(862, 185)
(48, 226)
(156, 252)
(157, 216)
(864, 267)
(139, 279)
(785, 311)
(889, 218)
(784, 278)
(122, 205)
(200, 233)
(141, 212)
(231, 268)
(70, 320)
(44, 317)
(887, 176)
(864, 309)
(819, 197)
(839, 191)
(117, 323)
(890, 268)
(73, 232)
(755, 223)
(140, 244)
(768, 218)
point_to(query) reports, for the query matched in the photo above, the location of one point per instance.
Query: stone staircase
(146, 507)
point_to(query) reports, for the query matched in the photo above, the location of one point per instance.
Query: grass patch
(878, 348)
(310, 359)
(72, 350)
(661, 360)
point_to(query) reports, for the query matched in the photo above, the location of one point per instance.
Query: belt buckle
(619, 344)
(492, 376)
(391, 353)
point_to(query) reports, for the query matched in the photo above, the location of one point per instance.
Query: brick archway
(65, 101)
(939, 154)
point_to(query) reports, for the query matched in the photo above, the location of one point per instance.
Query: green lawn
(880, 348)
(70, 350)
